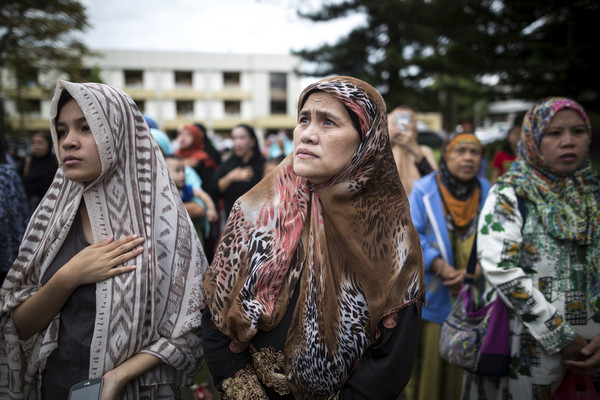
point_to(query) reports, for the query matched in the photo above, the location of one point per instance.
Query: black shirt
(236, 189)
(70, 362)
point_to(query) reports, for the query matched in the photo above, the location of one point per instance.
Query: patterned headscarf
(348, 245)
(568, 205)
(154, 309)
(459, 189)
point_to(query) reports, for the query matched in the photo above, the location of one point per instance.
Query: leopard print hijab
(348, 245)
(156, 308)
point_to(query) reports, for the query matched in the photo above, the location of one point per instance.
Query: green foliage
(40, 36)
(440, 55)
(36, 35)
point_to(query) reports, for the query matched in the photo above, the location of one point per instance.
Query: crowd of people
(317, 267)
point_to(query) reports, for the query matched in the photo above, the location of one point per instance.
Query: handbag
(475, 338)
(576, 387)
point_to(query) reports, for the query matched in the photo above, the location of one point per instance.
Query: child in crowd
(176, 167)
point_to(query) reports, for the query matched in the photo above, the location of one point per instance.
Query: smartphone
(86, 390)
(403, 119)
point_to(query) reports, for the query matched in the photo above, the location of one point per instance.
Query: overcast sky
(222, 26)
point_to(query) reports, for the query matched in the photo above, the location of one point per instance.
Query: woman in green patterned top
(544, 261)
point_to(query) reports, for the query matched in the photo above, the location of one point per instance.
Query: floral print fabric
(544, 282)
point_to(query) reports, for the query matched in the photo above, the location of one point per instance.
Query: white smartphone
(86, 390)
(403, 119)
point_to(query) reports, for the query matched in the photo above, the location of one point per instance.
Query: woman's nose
(309, 134)
(568, 139)
(68, 141)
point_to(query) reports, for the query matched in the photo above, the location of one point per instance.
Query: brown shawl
(349, 241)
(156, 308)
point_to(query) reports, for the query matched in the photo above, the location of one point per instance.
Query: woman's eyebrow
(75, 121)
(320, 113)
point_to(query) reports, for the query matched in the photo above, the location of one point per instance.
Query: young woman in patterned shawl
(127, 307)
(316, 288)
(545, 267)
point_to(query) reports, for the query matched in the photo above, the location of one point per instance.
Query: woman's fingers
(126, 246)
(588, 367)
(592, 347)
(127, 255)
(120, 270)
(102, 243)
(111, 253)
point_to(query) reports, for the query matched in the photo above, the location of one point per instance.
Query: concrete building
(174, 88)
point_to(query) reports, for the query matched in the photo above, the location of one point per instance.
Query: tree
(415, 52)
(448, 55)
(551, 51)
(41, 35)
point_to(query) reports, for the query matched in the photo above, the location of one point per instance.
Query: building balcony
(231, 94)
(183, 94)
(141, 94)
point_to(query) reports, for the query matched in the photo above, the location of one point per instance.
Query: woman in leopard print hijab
(316, 287)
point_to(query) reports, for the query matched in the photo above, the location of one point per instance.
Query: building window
(233, 108)
(185, 108)
(134, 78)
(231, 79)
(141, 104)
(183, 79)
(278, 93)
(279, 81)
(278, 107)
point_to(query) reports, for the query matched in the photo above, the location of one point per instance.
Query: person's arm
(452, 278)
(582, 357)
(238, 174)
(221, 361)
(386, 368)
(211, 210)
(194, 209)
(406, 139)
(430, 157)
(116, 379)
(95, 263)
(25, 170)
(500, 242)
